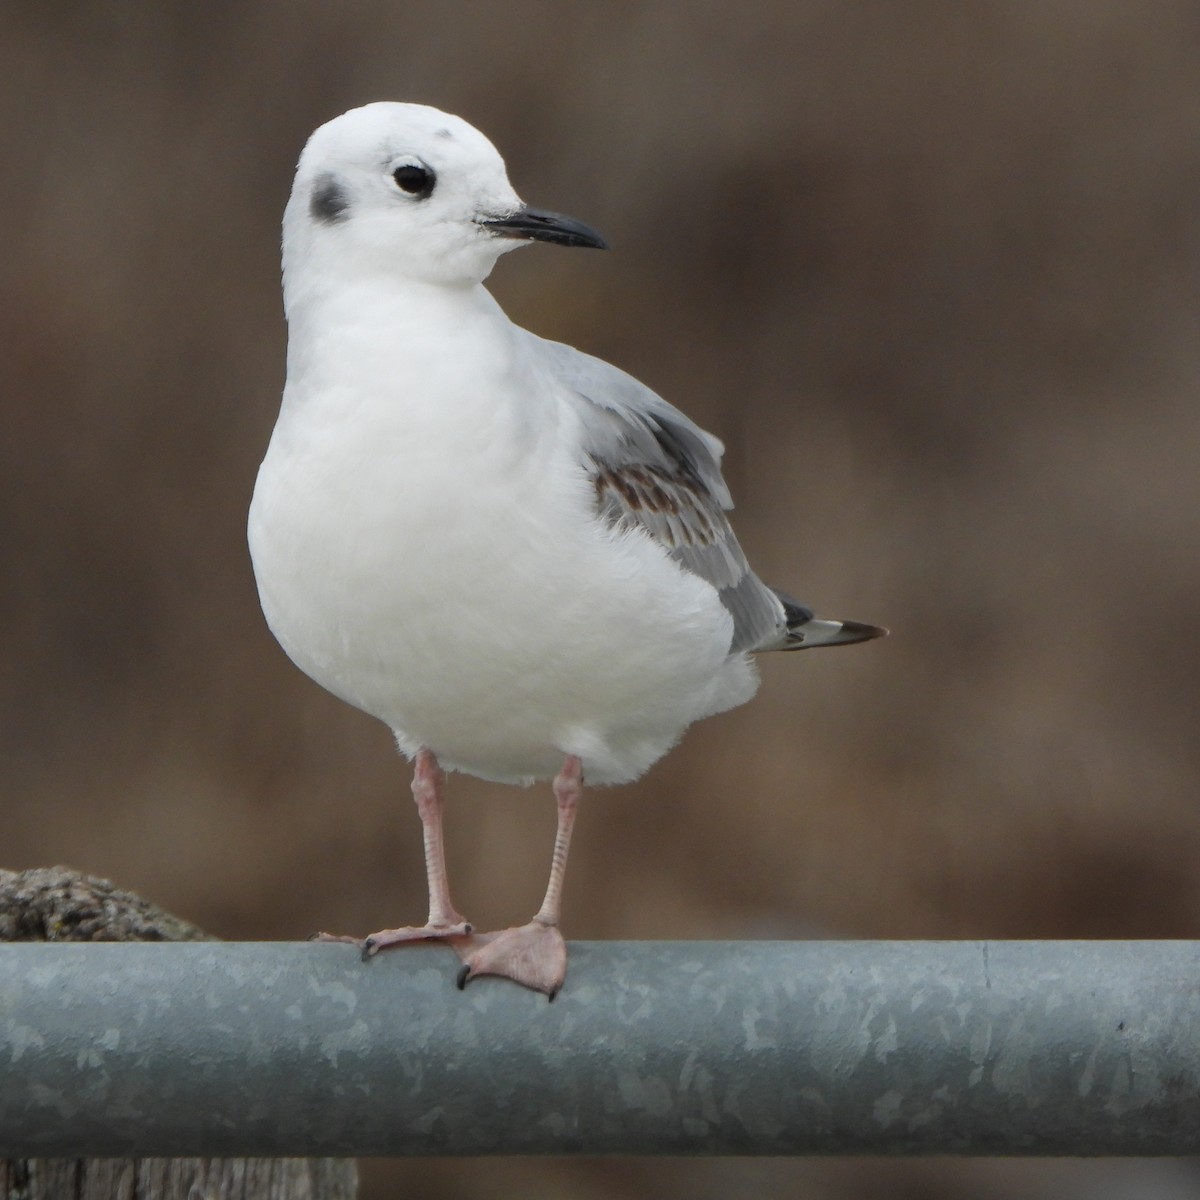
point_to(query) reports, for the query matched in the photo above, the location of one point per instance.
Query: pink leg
(428, 779)
(533, 955)
(444, 919)
(568, 789)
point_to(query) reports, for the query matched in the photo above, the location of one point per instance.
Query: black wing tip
(805, 636)
(828, 633)
(857, 631)
(794, 613)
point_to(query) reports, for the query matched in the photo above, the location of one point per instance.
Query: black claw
(368, 949)
(551, 995)
(314, 936)
(463, 976)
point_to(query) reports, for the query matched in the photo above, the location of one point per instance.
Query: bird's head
(407, 190)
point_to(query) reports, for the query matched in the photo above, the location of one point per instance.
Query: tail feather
(805, 630)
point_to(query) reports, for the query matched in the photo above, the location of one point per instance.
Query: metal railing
(229, 1049)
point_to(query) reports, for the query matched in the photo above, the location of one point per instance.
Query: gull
(512, 553)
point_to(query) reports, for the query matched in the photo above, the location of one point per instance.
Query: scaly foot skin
(533, 955)
(373, 943)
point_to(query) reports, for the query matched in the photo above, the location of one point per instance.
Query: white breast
(430, 554)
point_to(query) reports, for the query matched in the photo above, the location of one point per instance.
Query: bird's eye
(416, 181)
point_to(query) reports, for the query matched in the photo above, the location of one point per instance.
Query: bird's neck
(413, 363)
(380, 323)
(325, 299)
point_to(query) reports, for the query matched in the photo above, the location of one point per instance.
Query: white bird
(512, 553)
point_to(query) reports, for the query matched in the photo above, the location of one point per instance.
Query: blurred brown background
(931, 269)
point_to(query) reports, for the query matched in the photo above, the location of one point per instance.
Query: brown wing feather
(656, 470)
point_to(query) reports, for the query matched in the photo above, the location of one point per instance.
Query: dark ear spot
(329, 202)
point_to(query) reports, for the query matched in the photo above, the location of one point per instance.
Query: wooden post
(59, 905)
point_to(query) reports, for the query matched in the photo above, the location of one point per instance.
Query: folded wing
(654, 469)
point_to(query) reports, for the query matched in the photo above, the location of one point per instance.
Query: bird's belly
(489, 617)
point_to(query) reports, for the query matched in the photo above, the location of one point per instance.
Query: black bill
(535, 225)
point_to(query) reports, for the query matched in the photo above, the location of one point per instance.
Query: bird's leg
(428, 779)
(533, 955)
(444, 918)
(568, 788)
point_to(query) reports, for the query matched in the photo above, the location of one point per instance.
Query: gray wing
(656, 470)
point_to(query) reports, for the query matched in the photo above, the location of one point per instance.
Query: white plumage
(510, 552)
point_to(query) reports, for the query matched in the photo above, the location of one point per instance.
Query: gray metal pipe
(223, 1049)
